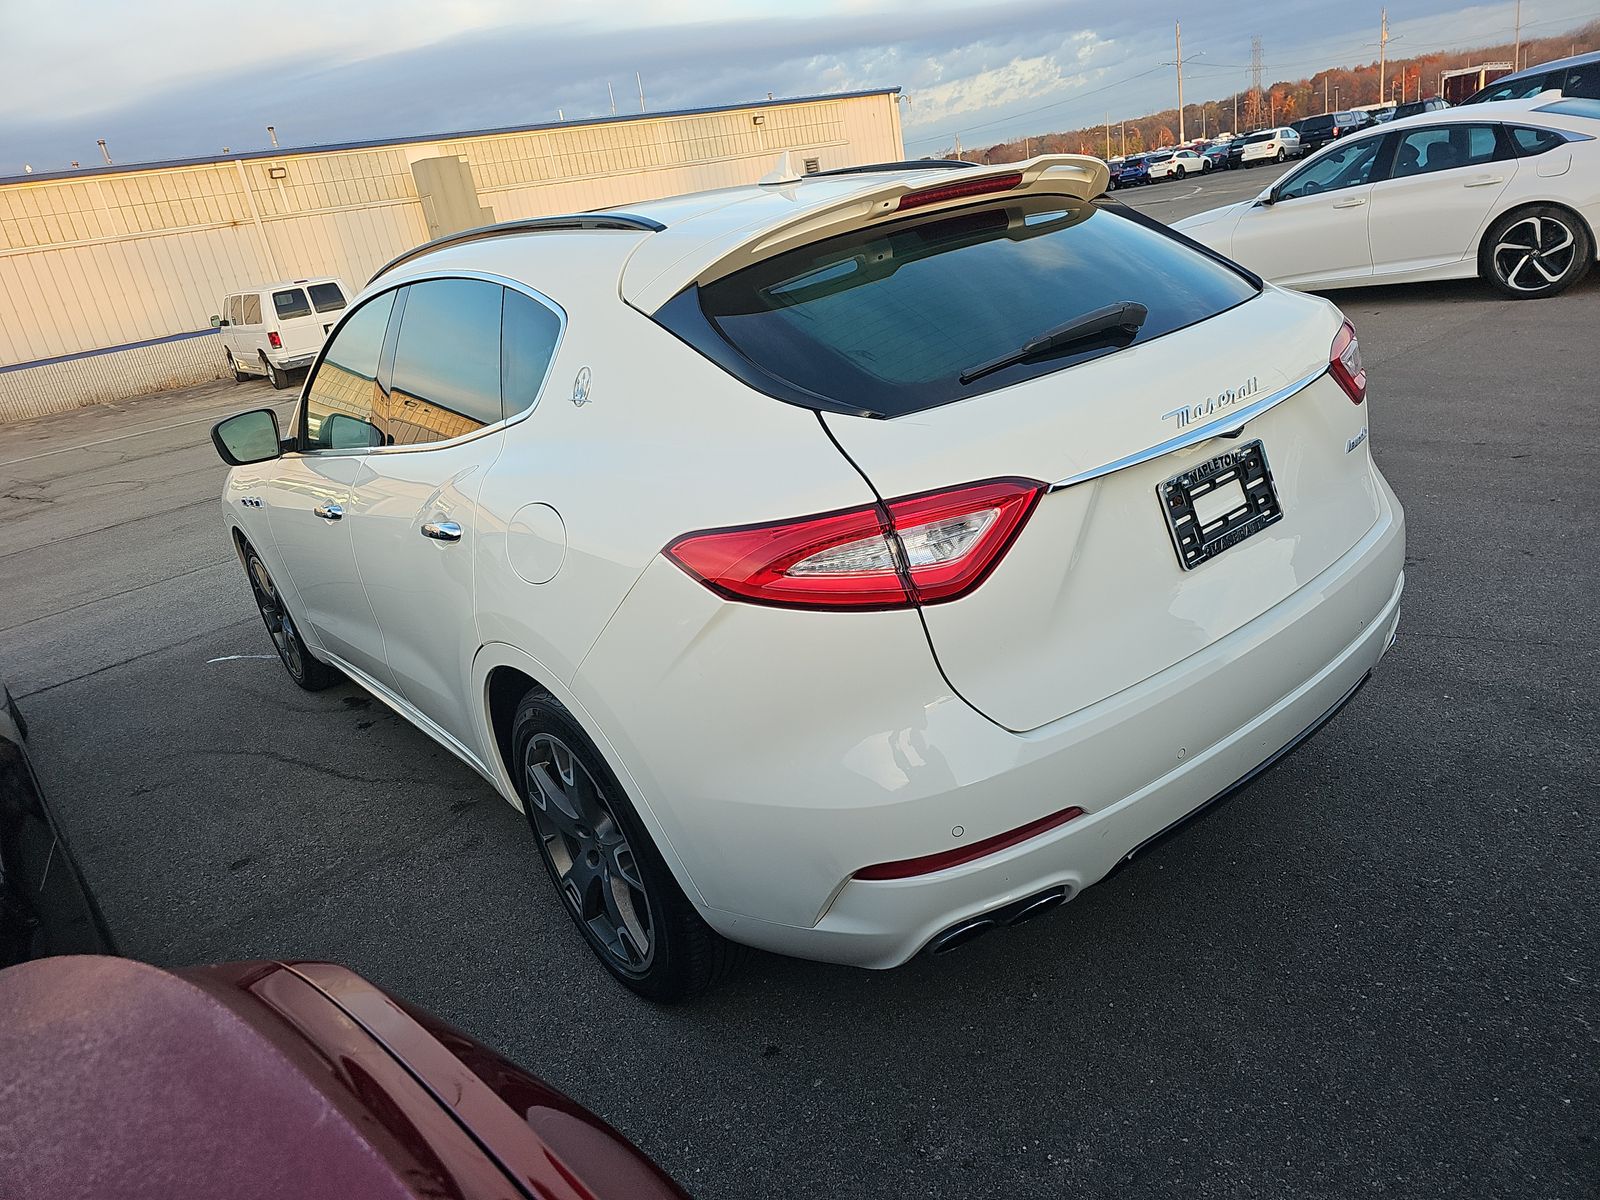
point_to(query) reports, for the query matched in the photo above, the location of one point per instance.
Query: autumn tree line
(1335, 89)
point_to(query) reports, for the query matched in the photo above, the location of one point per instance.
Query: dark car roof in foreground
(271, 1079)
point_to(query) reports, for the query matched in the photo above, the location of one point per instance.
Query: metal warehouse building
(109, 277)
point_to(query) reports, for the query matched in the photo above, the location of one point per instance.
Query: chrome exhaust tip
(1014, 913)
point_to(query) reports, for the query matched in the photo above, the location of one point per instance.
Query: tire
(304, 668)
(279, 377)
(1281, 154)
(1180, 171)
(1524, 247)
(233, 365)
(611, 879)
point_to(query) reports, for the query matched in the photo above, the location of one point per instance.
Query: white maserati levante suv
(1508, 192)
(800, 559)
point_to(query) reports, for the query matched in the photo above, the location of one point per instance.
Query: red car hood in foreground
(274, 1080)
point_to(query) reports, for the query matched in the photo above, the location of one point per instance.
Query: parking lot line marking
(236, 657)
(121, 437)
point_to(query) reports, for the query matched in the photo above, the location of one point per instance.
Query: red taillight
(277, 342)
(906, 868)
(1344, 361)
(922, 549)
(959, 191)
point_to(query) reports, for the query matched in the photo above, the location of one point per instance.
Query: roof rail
(909, 164)
(623, 221)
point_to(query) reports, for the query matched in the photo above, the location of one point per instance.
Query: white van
(279, 327)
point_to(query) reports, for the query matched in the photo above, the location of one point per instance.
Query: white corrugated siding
(97, 263)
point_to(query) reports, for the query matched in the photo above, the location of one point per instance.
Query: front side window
(1347, 165)
(341, 397)
(446, 362)
(888, 318)
(328, 297)
(250, 309)
(527, 344)
(291, 303)
(232, 309)
(1444, 148)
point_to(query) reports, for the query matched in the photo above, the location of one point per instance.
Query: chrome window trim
(504, 423)
(1234, 422)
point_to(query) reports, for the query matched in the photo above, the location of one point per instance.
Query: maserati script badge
(1191, 414)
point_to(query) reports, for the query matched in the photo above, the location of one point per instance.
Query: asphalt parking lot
(1374, 972)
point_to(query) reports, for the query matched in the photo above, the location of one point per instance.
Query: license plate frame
(1198, 543)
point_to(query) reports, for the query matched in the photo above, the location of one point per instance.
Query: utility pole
(1124, 130)
(1178, 30)
(1383, 48)
(1324, 91)
(1108, 135)
(1516, 54)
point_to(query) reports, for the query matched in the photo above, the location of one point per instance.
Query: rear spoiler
(1075, 175)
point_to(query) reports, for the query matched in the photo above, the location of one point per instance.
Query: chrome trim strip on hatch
(1234, 423)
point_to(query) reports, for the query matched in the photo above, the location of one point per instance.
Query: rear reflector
(1344, 363)
(907, 868)
(960, 191)
(923, 549)
(277, 342)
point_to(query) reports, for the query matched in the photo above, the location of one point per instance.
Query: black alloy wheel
(1535, 252)
(307, 671)
(612, 881)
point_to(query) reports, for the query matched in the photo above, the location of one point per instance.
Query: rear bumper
(292, 362)
(1140, 762)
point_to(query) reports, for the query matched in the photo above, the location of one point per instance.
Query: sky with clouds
(176, 78)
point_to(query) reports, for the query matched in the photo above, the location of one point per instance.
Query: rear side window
(327, 297)
(1444, 148)
(528, 342)
(1513, 89)
(1582, 81)
(1530, 141)
(290, 304)
(250, 309)
(447, 362)
(887, 318)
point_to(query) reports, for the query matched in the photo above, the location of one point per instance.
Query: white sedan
(1508, 192)
(1178, 164)
(844, 565)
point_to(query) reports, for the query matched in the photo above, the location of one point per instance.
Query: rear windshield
(887, 318)
(1315, 124)
(1266, 135)
(326, 296)
(290, 303)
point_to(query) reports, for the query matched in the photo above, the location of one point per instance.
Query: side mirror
(249, 437)
(343, 432)
(216, 321)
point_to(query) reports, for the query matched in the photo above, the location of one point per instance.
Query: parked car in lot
(262, 1080)
(1132, 171)
(272, 1079)
(844, 566)
(1178, 164)
(1316, 132)
(277, 328)
(45, 906)
(1417, 107)
(1509, 192)
(1575, 77)
(1269, 145)
(1217, 154)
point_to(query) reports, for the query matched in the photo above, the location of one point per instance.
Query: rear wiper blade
(1124, 318)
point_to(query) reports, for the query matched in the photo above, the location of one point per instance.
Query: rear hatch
(1093, 596)
(299, 327)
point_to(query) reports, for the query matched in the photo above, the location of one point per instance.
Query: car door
(1315, 229)
(1441, 186)
(309, 496)
(230, 332)
(413, 509)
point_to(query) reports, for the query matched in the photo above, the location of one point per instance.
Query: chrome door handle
(442, 531)
(1484, 181)
(329, 512)
(1350, 202)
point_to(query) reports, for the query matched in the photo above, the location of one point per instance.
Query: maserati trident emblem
(1192, 414)
(580, 387)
